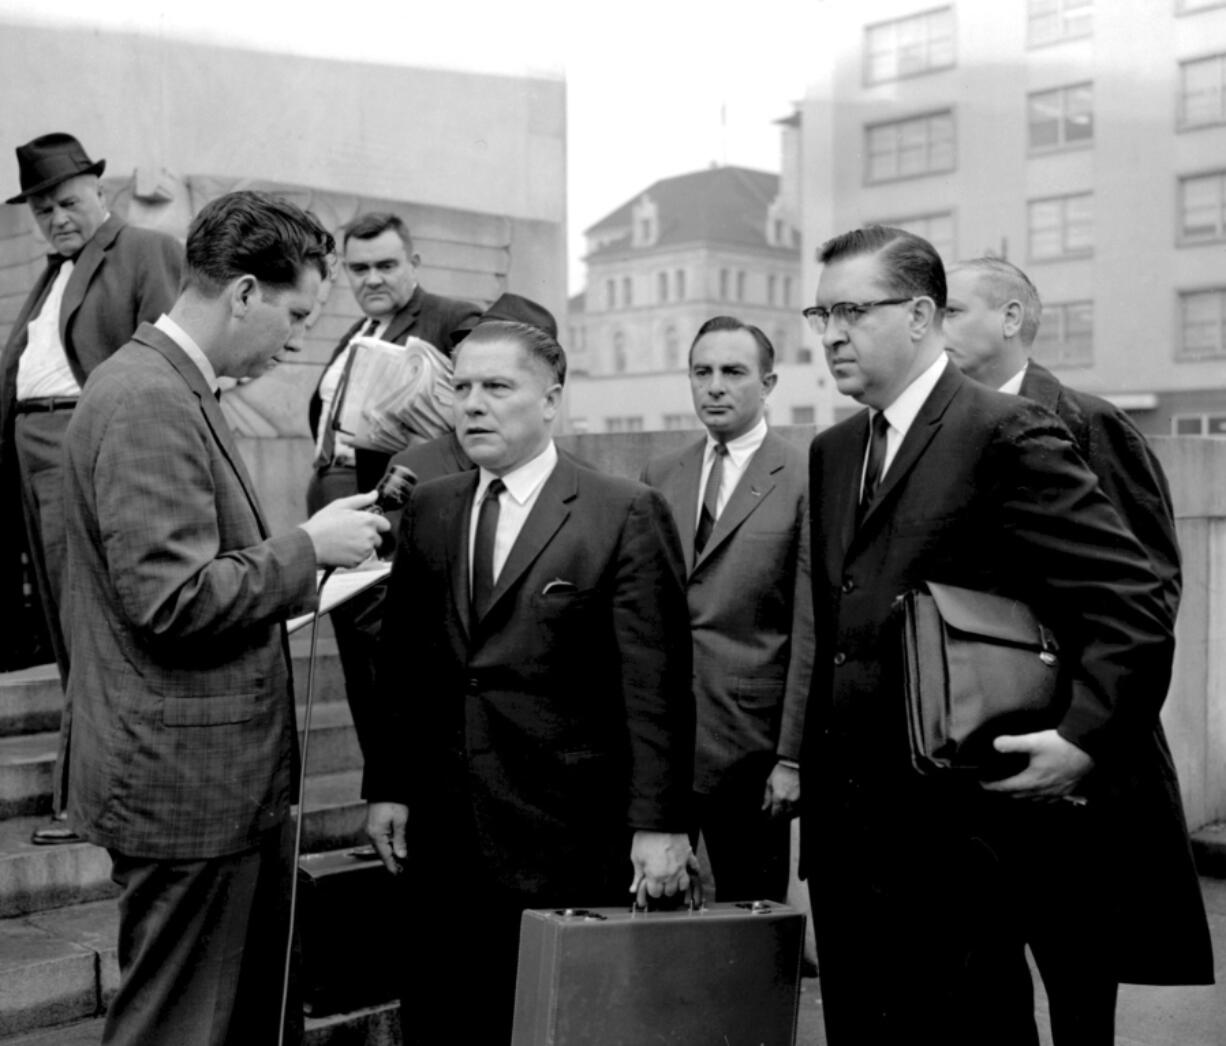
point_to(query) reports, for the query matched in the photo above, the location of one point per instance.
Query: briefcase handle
(692, 898)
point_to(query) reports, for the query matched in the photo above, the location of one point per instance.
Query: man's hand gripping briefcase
(725, 973)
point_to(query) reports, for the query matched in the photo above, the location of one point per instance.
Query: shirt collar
(188, 344)
(744, 447)
(1014, 385)
(524, 481)
(902, 412)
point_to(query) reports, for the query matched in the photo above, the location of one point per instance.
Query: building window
(662, 286)
(627, 291)
(672, 348)
(1053, 21)
(619, 352)
(1066, 335)
(787, 291)
(740, 286)
(1202, 315)
(1061, 227)
(680, 284)
(679, 422)
(779, 343)
(909, 46)
(937, 229)
(1062, 117)
(804, 354)
(626, 423)
(1202, 208)
(1202, 91)
(610, 294)
(723, 284)
(804, 415)
(1198, 425)
(910, 148)
(772, 285)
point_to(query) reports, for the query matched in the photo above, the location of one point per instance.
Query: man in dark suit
(185, 755)
(536, 735)
(740, 500)
(103, 279)
(926, 891)
(382, 268)
(991, 320)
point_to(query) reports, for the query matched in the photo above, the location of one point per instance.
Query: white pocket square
(558, 584)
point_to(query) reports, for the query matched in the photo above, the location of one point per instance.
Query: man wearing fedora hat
(103, 279)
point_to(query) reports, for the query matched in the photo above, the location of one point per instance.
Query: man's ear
(768, 383)
(242, 293)
(553, 401)
(1011, 318)
(923, 314)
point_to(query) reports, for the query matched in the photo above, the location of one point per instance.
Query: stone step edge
(1209, 850)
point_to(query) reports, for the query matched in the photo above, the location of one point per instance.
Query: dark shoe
(56, 833)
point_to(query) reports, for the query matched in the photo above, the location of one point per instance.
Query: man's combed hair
(912, 265)
(254, 234)
(766, 351)
(376, 223)
(1000, 282)
(534, 341)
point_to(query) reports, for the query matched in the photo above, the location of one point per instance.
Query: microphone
(393, 490)
(391, 495)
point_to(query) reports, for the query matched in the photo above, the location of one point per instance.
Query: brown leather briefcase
(724, 973)
(975, 666)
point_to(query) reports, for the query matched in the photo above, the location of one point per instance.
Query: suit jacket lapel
(547, 516)
(680, 490)
(155, 339)
(926, 425)
(406, 319)
(84, 267)
(756, 482)
(458, 522)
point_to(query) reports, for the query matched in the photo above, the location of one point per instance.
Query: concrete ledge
(30, 700)
(1209, 850)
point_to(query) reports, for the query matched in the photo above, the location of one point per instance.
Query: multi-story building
(719, 241)
(1085, 141)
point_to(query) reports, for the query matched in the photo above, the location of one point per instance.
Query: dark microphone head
(394, 488)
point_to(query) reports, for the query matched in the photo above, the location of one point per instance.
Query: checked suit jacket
(563, 716)
(184, 736)
(751, 608)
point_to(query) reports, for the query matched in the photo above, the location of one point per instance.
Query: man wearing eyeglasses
(925, 891)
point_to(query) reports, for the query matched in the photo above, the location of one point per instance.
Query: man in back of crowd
(740, 500)
(381, 263)
(103, 279)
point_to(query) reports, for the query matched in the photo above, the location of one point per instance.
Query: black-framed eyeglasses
(846, 313)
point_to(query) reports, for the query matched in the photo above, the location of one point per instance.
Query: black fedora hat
(513, 307)
(50, 159)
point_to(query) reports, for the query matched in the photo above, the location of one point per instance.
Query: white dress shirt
(740, 451)
(902, 412)
(1014, 385)
(43, 369)
(524, 486)
(188, 344)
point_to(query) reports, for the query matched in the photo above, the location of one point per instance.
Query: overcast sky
(654, 88)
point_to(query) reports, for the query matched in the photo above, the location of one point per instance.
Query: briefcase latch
(755, 907)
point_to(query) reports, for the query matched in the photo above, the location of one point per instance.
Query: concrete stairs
(58, 918)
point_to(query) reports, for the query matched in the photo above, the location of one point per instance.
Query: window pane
(1201, 98)
(1188, 426)
(1202, 324)
(1079, 114)
(1201, 207)
(1044, 119)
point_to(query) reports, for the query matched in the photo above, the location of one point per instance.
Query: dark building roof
(725, 205)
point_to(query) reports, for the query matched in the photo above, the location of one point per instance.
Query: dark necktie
(327, 447)
(483, 549)
(710, 498)
(876, 463)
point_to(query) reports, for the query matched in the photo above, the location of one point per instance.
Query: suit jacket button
(848, 584)
(839, 658)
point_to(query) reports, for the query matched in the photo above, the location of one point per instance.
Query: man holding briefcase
(926, 890)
